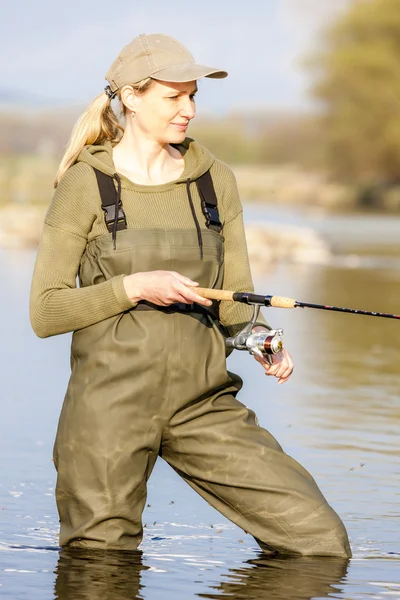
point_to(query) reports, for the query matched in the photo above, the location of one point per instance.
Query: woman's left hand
(282, 363)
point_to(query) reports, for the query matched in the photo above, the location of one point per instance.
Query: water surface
(339, 416)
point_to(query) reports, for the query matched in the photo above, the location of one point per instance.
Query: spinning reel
(261, 343)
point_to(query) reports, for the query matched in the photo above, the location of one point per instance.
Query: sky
(61, 51)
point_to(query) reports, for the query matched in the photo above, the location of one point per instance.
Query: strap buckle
(109, 216)
(211, 214)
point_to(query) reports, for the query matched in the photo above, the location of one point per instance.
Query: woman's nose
(188, 109)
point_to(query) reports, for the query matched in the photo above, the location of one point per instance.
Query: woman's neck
(146, 161)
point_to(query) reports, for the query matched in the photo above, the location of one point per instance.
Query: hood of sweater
(197, 160)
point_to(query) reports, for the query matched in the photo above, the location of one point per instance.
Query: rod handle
(213, 294)
(282, 302)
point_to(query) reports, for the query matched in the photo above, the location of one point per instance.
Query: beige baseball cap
(157, 56)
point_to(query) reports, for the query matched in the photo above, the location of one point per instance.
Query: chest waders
(150, 382)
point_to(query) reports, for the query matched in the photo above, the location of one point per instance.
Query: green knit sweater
(75, 217)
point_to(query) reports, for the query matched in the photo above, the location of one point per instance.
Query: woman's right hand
(162, 288)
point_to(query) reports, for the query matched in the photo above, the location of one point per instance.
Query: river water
(339, 416)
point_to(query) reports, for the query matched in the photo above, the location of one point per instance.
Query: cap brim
(187, 72)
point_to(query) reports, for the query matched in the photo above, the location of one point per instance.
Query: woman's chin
(178, 137)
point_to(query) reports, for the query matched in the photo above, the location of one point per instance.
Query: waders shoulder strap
(108, 195)
(209, 201)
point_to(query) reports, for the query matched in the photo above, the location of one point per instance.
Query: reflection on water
(96, 575)
(339, 416)
(281, 579)
(93, 575)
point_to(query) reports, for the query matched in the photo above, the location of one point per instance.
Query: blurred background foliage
(348, 144)
(357, 80)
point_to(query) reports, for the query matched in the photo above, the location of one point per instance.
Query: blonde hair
(96, 125)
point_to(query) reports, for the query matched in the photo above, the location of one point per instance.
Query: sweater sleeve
(56, 304)
(237, 274)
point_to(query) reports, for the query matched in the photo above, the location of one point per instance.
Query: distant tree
(357, 78)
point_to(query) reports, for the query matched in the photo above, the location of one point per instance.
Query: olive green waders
(149, 383)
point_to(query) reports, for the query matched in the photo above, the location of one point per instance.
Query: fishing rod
(281, 302)
(271, 342)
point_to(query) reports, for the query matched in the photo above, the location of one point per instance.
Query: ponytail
(98, 124)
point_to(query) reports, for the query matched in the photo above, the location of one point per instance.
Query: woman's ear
(129, 98)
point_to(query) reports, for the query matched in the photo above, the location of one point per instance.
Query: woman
(143, 215)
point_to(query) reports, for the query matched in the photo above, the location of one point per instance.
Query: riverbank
(291, 185)
(271, 243)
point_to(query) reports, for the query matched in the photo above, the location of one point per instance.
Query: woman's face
(164, 111)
